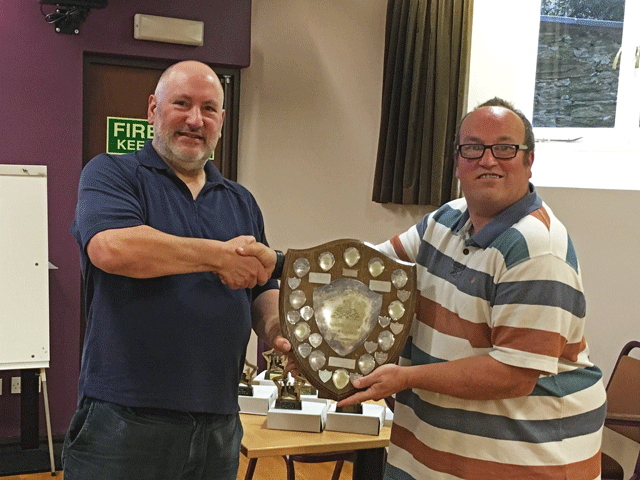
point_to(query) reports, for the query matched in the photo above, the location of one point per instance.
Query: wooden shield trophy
(346, 309)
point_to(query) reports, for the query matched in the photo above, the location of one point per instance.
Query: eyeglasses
(501, 151)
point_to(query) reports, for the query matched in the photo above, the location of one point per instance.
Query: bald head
(179, 72)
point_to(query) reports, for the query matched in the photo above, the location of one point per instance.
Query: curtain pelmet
(424, 87)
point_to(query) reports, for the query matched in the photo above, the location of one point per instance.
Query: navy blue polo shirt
(177, 341)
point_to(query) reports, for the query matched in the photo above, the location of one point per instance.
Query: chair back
(623, 391)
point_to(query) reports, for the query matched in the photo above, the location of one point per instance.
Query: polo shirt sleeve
(107, 198)
(404, 246)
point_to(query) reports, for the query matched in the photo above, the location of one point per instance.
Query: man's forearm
(266, 321)
(144, 252)
(473, 378)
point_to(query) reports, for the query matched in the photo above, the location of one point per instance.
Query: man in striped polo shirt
(495, 381)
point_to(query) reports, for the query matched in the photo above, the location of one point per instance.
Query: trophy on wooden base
(246, 379)
(275, 364)
(288, 392)
(347, 309)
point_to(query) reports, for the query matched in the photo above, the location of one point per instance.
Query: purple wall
(41, 124)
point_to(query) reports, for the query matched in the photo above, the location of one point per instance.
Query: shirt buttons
(465, 251)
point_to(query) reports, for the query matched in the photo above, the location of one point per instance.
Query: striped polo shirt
(512, 291)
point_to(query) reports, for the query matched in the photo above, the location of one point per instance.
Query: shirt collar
(503, 221)
(154, 160)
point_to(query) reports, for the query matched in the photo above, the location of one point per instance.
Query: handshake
(247, 263)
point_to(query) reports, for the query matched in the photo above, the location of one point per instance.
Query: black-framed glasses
(501, 151)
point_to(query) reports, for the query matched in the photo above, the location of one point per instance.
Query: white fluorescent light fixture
(169, 30)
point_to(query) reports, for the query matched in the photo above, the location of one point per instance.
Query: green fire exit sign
(126, 135)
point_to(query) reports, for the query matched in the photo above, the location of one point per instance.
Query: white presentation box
(311, 418)
(260, 402)
(369, 422)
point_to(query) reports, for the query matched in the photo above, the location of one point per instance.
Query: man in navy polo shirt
(170, 303)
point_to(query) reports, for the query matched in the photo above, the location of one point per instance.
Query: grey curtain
(426, 65)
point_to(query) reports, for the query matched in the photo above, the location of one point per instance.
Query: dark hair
(529, 140)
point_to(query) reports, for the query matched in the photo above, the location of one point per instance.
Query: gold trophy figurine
(275, 364)
(288, 393)
(246, 379)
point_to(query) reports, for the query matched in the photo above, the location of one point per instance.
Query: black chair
(339, 458)
(623, 409)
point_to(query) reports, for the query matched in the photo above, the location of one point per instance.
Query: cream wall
(606, 233)
(309, 121)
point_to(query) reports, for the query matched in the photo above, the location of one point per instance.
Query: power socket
(15, 384)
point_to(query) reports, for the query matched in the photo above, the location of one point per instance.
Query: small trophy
(288, 393)
(347, 309)
(275, 364)
(246, 379)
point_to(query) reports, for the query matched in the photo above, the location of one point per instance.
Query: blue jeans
(112, 442)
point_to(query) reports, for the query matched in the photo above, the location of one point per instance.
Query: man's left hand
(381, 383)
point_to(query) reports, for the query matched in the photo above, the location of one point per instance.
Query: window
(586, 85)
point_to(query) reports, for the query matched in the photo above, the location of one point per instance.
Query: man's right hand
(239, 270)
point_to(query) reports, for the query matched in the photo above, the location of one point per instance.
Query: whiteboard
(24, 267)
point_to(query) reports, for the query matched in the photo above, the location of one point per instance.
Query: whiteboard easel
(24, 288)
(24, 268)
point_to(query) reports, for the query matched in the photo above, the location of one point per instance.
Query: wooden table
(259, 441)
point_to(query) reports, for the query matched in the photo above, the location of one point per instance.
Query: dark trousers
(112, 442)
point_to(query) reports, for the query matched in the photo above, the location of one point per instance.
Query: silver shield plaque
(346, 309)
